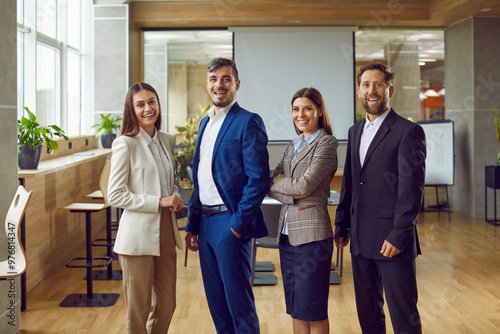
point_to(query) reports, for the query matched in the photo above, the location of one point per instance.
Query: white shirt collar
(223, 111)
(146, 136)
(308, 140)
(378, 121)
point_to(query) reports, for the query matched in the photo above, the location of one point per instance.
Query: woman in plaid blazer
(301, 183)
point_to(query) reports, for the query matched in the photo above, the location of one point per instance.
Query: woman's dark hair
(314, 95)
(130, 125)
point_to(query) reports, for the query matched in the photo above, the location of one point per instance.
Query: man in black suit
(382, 191)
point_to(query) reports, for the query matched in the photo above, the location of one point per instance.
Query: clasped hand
(173, 202)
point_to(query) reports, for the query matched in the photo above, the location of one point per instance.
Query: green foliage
(185, 152)
(31, 133)
(497, 125)
(359, 116)
(107, 124)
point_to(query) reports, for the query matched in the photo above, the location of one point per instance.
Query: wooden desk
(54, 235)
(57, 164)
(336, 183)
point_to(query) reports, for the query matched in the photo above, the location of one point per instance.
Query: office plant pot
(492, 176)
(107, 139)
(29, 158)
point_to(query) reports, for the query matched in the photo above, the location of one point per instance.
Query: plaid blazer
(307, 218)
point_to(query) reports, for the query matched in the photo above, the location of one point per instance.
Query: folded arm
(323, 165)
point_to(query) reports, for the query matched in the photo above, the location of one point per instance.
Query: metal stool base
(98, 300)
(106, 275)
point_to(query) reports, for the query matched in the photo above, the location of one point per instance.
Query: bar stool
(91, 299)
(108, 242)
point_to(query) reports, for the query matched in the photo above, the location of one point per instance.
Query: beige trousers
(149, 284)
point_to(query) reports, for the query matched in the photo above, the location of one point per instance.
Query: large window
(47, 84)
(50, 61)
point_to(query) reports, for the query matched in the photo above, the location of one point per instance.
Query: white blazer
(134, 185)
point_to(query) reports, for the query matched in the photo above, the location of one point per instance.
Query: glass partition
(417, 57)
(175, 64)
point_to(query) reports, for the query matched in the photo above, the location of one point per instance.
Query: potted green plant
(497, 125)
(30, 136)
(185, 150)
(106, 127)
(492, 172)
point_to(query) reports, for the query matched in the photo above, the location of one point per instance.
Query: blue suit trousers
(225, 266)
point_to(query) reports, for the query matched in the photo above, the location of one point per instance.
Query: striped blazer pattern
(307, 218)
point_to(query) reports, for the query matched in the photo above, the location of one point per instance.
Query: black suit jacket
(381, 200)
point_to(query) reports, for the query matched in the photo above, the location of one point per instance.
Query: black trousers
(398, 280)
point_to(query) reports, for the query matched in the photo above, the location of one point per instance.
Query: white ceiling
(200, 46)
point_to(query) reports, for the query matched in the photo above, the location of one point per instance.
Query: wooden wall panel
(279, 13)
(79, 144)
(448, 12)
(433, 13)
(53, 236)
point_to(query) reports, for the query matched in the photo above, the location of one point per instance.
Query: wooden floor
(458, 278)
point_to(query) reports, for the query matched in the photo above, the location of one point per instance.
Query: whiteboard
(440, 161)
(275, 63)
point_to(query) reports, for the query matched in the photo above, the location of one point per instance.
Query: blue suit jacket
(240, 168)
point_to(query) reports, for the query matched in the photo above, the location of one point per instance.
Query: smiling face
(146, 109)
(222, 87)
(374, 93)
(306, 115)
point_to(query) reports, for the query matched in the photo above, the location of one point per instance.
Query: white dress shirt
(161, 160)
(369, 131)
(209, 195)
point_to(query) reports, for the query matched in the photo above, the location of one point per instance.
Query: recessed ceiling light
(484, 10)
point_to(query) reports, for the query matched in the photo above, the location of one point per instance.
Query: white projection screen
(274, 63)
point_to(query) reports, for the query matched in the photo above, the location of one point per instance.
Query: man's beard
(380, 109)
(221, 104)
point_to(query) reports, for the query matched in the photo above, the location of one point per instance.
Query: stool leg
(88, 240)
(341, 260)
(437, 199)
(448, 203)
(109, 251)
(495, 205)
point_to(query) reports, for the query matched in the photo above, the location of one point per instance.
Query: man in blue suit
(230, 175)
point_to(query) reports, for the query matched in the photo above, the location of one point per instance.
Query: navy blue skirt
(306, 278)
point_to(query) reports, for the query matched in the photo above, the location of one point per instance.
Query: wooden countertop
(53, 165)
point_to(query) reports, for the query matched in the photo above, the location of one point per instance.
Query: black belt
(210, 210)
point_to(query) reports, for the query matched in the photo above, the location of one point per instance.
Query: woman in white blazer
(143, 183)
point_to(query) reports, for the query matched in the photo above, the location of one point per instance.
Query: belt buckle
(206, 212)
